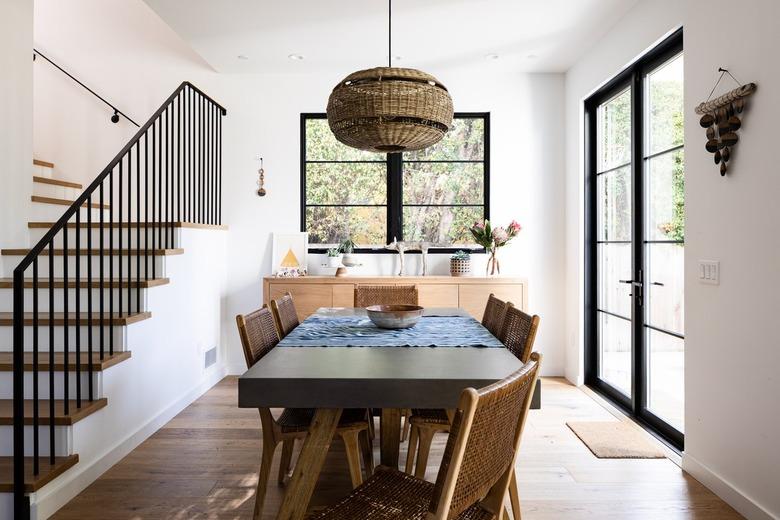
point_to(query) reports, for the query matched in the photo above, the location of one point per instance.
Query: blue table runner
(359, 331)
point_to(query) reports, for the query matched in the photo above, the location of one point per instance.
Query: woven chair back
(519, 333)
(285, 315)
(367, 295)
(484, 438)
(495, 310)
(258, 334)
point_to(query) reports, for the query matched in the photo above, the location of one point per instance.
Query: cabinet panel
(438, 295)
(343, 295)
(473, 297)
(307, 298)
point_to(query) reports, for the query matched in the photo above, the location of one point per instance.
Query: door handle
(660, 284)
(632, 282)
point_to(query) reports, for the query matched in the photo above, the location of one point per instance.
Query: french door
(634, 329)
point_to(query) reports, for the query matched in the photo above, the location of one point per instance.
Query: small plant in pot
(347, 247)
(460, 264)
(334, 257)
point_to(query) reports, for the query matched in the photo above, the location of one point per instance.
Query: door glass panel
(664, 301)
(615, 352)
(614, 132)
(665, 106)
(665, 197)
(614, 264)
(665, 377)
(614, 205)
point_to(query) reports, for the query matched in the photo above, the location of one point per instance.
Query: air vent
(210, 357)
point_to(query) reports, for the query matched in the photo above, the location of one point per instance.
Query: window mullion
(394, 197)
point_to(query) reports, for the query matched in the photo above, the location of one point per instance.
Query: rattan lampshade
(389, 109)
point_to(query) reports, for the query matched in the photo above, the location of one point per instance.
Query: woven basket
(460, 267)
(389, 110)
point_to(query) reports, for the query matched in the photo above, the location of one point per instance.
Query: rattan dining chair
(285, 314)
(493, 317)
(258, 336)
(476, 469)
(519, 333)
(366, 295)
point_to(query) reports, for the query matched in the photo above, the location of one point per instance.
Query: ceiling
(528, 35)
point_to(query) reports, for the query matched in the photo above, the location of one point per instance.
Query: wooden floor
(203, 464)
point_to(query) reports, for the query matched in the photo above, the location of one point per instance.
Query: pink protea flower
(514, 226)
(479, 225)
(500, 235)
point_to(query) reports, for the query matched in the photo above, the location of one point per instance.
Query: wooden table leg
(310, 460)
(390, 436)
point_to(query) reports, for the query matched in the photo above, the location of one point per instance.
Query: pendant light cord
(389, 33)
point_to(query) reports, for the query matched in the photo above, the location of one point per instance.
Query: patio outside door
(635, 241)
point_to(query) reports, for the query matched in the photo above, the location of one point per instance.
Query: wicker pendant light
(389, 109)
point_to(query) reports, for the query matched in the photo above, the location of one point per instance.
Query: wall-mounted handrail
(117, 112)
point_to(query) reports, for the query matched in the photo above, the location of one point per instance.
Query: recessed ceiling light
(532, 56)
(296, 57)
(242, 57)
(491, 56)
(398, 58)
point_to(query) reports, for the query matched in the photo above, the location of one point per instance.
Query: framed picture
(288, 254)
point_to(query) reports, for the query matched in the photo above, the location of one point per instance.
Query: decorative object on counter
(389, 109)
(288, 254)
(347, 247)
(394, 316)
(720, 117)
(334, 257)
(460, 264)
(261, 180)
(492, 239)
(404, 246)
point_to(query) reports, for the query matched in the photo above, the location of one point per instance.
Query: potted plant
(334, 257)
(460, 264)
(347, 247)
(493, 238)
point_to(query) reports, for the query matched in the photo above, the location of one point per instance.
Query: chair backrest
(519, 333)
(366, 295)
(258, 334)
(482, 446)
(285, 315)
(495, 310)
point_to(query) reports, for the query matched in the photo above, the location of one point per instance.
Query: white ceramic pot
(334, 261)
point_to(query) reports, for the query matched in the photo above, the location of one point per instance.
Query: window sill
(382, 251)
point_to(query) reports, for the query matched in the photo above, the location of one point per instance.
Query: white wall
(731, 348)
(16, 33)
(138, 63)
(639, 30)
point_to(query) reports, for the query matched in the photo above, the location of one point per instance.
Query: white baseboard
(58, 493)
(732, 495)
(235, 370)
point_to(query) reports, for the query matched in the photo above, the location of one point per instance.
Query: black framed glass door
(634, 327)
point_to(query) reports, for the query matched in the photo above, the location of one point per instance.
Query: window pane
(614, 265)
(321, 145)
(666, 377)
(666, 287)
(464, 142)
(615, 352)
(666, 197)
(331, 225)
(614, 205)
(346, 183)
(614, 131)
(665, 106)
(441, 224)
(443, 183)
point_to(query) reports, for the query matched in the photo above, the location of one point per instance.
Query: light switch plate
(709, 272)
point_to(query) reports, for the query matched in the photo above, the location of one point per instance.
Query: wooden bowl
(394, 316)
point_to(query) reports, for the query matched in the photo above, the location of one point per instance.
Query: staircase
(79, 298)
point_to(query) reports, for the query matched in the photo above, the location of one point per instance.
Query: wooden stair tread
(47, 472)
(96, 252)
(114, 225)
(45, 164)
(57, 182)
(59, 283)
(98, 365)
(65, 202)
(73, 416)
(7, 319)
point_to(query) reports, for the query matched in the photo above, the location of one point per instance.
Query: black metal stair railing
(170, 171)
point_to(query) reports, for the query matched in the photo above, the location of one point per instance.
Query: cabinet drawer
(343, 295)
(307, 298)
(438, 295)
(473, 297)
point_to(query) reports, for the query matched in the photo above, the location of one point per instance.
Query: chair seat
(391, 495)
(429, 415)
(293, 420)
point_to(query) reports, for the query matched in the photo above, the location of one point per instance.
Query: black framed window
(433, 195)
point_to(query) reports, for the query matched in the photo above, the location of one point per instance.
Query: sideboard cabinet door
(307, 298)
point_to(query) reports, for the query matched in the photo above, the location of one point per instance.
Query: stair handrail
(21, 503)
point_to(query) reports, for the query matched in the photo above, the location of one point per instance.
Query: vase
(492, 268)
(460, 267)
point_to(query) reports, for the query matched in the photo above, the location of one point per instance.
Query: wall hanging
(389, 109)
(261, 180)
(721, 117)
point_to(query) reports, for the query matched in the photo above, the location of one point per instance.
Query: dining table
(337, 358)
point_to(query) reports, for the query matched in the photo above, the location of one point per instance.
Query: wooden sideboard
(469, 292)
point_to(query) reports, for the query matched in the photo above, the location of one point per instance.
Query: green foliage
(461, 255)
(334, 251)
(347, 246)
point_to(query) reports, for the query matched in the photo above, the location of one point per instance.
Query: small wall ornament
(261, 180)
(721, 119)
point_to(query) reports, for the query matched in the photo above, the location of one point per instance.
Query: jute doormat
(615, 440)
